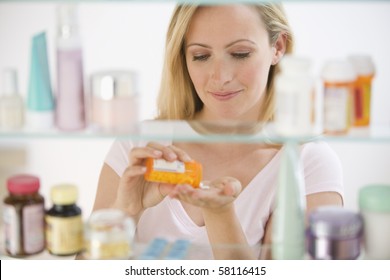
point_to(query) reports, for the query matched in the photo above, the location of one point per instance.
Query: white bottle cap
(363, 64)
(338, 71)
(39, 121)
(10, 82)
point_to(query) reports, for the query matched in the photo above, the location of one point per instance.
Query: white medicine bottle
(294, 98)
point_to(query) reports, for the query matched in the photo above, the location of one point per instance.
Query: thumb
(231, 187)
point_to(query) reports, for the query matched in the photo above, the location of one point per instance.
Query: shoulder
(321, 167)
(313, 152)
(117, 156)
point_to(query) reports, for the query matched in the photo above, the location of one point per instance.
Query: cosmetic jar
(334, 233)
(114, 100)
(109, 234)
(374, 205)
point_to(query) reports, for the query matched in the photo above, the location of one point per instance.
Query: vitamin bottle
(175, 172)
(339, 81)
(109, 235)
(64, 226)
(365, 71)
(295, 96)
(24, 216)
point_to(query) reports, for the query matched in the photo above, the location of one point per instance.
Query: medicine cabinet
(130, 35)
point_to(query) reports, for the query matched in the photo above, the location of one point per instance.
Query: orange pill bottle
(365, 70)
(175, 172)
(339, 79)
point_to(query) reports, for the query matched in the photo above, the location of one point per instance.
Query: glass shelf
(192, 131)
(188, 1)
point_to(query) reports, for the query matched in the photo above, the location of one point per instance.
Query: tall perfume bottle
(11, 102)
(70, 107)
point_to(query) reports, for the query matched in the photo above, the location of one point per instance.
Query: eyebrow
(227, 46)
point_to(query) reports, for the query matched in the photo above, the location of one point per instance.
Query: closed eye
(202, 57)
(241, 55)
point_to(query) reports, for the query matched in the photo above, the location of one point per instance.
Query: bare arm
(223, 227)
(107, 188)
(226, 235)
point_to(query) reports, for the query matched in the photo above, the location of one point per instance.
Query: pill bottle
(23, 216)
(375, 208)
(339, 85)
(295, 98)
(365, 71)
(334, 233)
(173, 172)
(64, 226)
(109, 234)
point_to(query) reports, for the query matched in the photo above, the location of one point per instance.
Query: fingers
(170, 152)
(138, 154)
(133, 171)
(156, 150)
(214, 194)
(231, 187)
(228, 186)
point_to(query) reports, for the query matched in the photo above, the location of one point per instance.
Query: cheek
(195, 76)
(255, 77)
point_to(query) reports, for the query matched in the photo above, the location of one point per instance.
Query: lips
(225, 95)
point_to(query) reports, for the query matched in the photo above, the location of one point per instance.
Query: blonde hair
(177, 98)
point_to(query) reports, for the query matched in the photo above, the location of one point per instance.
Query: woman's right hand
(134, 193)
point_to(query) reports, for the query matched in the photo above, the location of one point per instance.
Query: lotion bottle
(288, 230)
(70, 109)
(11, 102)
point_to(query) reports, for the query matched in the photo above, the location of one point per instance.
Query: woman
(219, 66)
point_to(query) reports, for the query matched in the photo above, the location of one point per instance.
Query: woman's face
(228, 56)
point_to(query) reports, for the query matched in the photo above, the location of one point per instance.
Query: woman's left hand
(214, 195)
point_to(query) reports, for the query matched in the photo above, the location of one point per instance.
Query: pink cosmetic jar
(114, 101)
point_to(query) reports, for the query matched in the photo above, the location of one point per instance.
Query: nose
(221, 73)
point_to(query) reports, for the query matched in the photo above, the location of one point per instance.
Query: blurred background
(127, 35)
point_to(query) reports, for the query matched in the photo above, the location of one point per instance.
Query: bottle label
(25, 230)
(64, 235)
(33, 228)
(11, 230)
(166, 166)
(337, 109)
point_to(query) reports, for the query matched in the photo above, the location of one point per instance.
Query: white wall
(131, 36)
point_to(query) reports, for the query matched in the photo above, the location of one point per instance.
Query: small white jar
(374, 204)
(109, 234)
